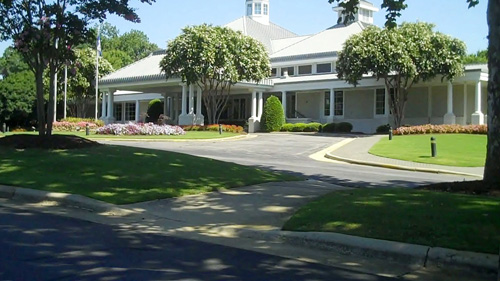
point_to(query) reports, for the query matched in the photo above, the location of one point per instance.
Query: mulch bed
(466, 187)
(52, 142)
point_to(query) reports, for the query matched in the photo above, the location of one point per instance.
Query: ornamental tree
(81, 78)
(44, 32)
(401, 56)
(492, 166)
(215, 58)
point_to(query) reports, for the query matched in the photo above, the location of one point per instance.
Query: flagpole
(65, 88)
(97, 69)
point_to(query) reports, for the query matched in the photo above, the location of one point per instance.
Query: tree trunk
(40, 101)
(52, 99)
(492, 166)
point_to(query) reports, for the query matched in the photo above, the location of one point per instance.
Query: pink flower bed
(442, 129)
(72, 126)
(140, 129)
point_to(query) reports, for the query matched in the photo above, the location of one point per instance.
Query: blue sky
(165, 19)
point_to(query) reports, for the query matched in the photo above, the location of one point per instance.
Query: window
(118, 111)
(305, 69)
(327, 103)
(274, 72)
(324, 68)
(380, 102)
(338, 106)
(129, 111)
(290, 70)
(258, 8)
(249, 9)
(266, 9)
(237, 109)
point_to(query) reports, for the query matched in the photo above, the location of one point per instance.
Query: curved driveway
(290, 153)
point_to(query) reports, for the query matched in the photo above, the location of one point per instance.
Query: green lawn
(123, 175)
(452, 149)
(194, 135)
(449, 220)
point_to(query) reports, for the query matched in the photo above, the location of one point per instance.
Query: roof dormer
(258, 10)
(364, 13)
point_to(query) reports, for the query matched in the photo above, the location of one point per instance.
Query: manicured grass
(449, 220)
(122, 175)
(452, 149)
(194, 135)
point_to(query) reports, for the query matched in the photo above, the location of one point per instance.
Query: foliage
(300, 127)
(65, 126)
(215, 128)
(329, 128)
(17, 98)
(12, 62)
(442, 129)
(155, 109)
(401, 56)
(215, 58)
(122, 50)
(81, 79)
(383, 129)
(343, 127)
(478, 57)
(273, 117)
(44, 33)
(99, 123)
(140, 129)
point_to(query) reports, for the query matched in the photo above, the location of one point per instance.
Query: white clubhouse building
(303, 77)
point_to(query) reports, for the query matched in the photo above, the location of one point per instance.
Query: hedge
(300, 127)
(442, 129)
(273, 117)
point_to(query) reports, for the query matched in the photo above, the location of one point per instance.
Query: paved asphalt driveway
(290, 153)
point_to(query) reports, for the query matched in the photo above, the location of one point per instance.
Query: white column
(191, 99)
(429, 104)
(332, 99)
(261, 105)
(254, 104)
(103, 105)
(165, 105)
(110, 105)
(137, 110)
(478, 116)
(175, 106)
(200, 119)
(449, 117)
(464, 122)
(183, 108)
(283, 102)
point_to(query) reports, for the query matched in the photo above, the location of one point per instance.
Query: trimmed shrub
(442, 129)
(344, 127)
(383, 129)
(155, 108)
(300, 127)
(329, 128)
(273, 117)
(140, 129)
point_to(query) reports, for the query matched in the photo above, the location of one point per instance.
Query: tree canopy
(401, 56)
(478, 57)
(45, 32)
(215, 58)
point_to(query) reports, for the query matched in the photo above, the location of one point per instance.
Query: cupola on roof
(364, 13)
(258, 10)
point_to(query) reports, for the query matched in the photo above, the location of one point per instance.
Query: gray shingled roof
(261, 32)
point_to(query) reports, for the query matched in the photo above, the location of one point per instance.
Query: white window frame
(249, 9)
(266, 9)
(300, 74)
(258, 8)
(375, 102)
(335, 104)
(325, 63)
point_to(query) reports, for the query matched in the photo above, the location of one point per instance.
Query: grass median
(450, 220)
(123, 175)
(461, 150)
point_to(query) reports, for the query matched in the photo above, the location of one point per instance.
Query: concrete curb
(65, 199)
(367, 247)
(331, 156)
